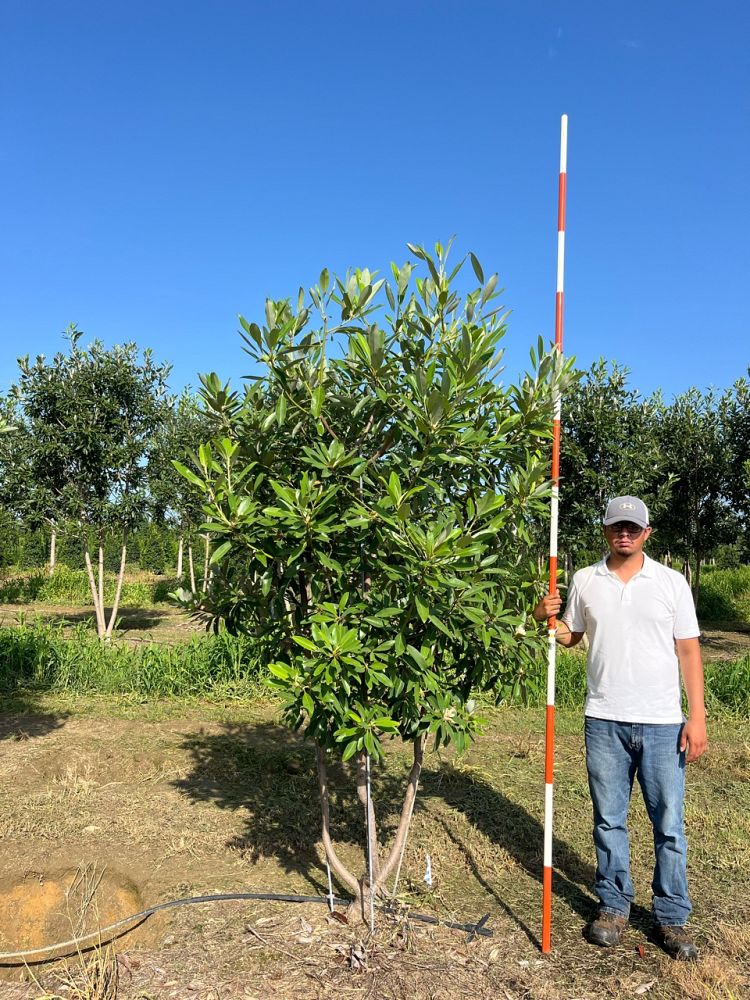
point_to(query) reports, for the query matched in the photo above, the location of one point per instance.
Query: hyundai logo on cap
(626, 509)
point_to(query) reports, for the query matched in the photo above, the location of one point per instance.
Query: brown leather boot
(676, 941)
(607, 929)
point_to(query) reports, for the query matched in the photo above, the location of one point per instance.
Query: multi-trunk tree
(369, 497)
(90, 416)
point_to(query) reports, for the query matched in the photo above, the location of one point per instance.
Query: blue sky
(164, 166)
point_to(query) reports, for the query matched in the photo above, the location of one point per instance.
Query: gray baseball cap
(626, 509)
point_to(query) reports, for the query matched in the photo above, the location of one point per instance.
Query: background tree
(611, 445)
(91, 416)
(734, 420)
(699, 515)
(173, 501)
(369, 498)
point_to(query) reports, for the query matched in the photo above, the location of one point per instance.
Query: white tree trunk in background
(52, 551)
(116, 605)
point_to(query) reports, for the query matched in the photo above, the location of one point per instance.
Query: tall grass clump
(38, 655)
(725, 595)
(728, 687)
(71, 587)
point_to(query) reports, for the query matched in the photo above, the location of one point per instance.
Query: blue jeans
(615, 753)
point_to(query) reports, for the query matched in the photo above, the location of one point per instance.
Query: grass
(42, 656)
(725, 595)
(38, 655)
(71, 587)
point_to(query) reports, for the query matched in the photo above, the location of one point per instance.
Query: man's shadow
(507, 824)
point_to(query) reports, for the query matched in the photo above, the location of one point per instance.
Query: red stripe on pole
(559, 301)
(561, 203)
(547, 918)
(556, 431)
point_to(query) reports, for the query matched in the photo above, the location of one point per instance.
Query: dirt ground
(107, 807)
(159, 623)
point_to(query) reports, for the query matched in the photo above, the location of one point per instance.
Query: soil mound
(41, 909)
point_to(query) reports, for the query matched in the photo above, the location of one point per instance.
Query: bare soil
(107, 807)
(159, 623)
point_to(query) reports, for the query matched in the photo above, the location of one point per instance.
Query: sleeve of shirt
(685, 620)
(573, 615)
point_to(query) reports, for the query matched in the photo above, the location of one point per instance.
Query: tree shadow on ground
(21, 718)
(516, 831)
(270, 771)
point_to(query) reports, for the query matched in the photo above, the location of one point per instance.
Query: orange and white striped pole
(549, 748)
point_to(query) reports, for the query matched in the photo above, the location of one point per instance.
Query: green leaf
(318, 397)
(218, 554)
(306, 643)
(189, 475)
(489, 288)
(477, 267)
(423, 609)
(281, 410)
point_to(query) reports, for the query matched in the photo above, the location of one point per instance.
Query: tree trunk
(370, 825)
(100, 626)
(406, 812)
(191, 566)
(52, 551)
(697, 578)
(179, 558)
(116, 605)
(359, 908)
(340, 871)
(206, 554)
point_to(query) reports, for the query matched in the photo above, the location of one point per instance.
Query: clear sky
(166, 165)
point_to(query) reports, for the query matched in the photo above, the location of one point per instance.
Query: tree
(699, 459)
(172, 500)
(369, 499)
(90, 417)
(734, 419)
(611, 446)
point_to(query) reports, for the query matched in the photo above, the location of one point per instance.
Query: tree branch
(342, 874)
(406, 812)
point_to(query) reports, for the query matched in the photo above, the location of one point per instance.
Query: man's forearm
(691, 666)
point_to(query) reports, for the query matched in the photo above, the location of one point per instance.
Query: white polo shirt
(632, 672)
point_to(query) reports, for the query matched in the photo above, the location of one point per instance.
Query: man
(642, 629)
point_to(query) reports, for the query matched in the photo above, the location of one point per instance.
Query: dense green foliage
(369, 500)
(689, 460)
(725, 595)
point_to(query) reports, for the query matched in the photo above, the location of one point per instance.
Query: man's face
(626, 538)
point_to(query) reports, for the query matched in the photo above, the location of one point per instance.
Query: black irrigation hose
(18, 957)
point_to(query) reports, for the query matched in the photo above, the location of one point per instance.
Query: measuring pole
(549, 748)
